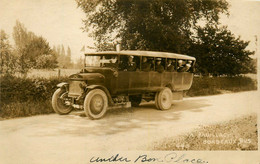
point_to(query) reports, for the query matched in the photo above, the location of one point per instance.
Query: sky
(60, 21)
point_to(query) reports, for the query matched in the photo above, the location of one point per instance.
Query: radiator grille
(74, 88)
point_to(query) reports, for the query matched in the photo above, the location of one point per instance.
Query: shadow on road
(121, 120)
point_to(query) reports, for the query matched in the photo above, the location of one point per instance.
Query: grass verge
(22, 109)
(203, 86)
(238, 134)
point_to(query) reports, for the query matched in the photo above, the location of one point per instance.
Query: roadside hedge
(15, 89)
(26, 96)
(203, 86)
(21, 97)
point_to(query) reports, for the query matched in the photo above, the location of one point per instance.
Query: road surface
(68, 139)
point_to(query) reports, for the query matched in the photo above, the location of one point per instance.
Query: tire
(95, 104)
(58, 103)
(163, 99)
(135, 100)
(156, 101)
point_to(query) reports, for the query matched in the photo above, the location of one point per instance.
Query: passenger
(180, 65)
(145, 65)
(170, 66)
(185, 67)
(158, 66)
(131, 66)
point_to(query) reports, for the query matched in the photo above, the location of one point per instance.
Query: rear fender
(91, 87)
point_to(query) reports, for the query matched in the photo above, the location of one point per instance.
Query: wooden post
(58, 73)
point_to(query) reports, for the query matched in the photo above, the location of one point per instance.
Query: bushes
(215, 85)
(25, 96)
(15, 89)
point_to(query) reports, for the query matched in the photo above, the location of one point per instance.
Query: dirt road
(67, 139)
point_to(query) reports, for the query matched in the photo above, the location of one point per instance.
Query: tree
(7, 59)
(219, 52)
(79, 63)
(64, 60)
(164, 25)
(30, 49)
(68, 58)
(169, 25)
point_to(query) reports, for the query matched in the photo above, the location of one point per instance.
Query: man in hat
(184, 67)
(158, 66)
(170, 66)
(131, 66)
(146, 66)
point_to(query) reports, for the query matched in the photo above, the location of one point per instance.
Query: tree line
(31, 52)
(189, 27)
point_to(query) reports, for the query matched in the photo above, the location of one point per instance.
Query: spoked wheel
(135, 100)
(61, 102)
(95, 104)
(163, 99)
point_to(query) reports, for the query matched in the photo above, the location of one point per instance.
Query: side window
(129, 63)
(160, 64)
(171, 65)
(146, 64)
(109, 61)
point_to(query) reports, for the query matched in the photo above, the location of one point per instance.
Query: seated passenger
(145, 65)
(131, 66)
(158, 66)
(180, 65)
(185, 67)
(170, 66)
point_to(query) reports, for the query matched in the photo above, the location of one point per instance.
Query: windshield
(101, 60)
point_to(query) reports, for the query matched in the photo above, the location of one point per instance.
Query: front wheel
(95, 104)
(163, 99)
(60, 102)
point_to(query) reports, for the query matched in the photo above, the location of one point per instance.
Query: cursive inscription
(113, 158)
(144, 158)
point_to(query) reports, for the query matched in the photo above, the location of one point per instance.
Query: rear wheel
(163, 99)
(135, 100)
(95, 104)
(61, 102)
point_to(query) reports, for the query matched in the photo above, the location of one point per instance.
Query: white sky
(59, 21)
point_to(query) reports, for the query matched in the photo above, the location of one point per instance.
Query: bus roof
(145, 53)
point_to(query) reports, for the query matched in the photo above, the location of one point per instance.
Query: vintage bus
(113, 78)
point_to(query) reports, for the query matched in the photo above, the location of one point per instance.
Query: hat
(131, 56)
(179, 61)
(159, 59)
(190, 61)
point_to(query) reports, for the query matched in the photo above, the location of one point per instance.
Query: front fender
(63, 85)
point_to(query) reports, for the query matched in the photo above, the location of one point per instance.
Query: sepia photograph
(129, 81)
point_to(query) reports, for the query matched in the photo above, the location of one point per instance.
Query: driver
(131, 65)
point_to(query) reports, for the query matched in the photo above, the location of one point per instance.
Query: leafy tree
(7, 59)
(219, 52)
(164, 25)
(64, 60)
(46, 62)
(182, 26)
(68, 58)
(79, 63)
(29, 48)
